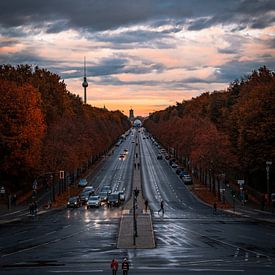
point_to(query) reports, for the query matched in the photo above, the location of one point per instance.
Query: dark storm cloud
(23, 57)
(235, 69)
(141, 38)
(112, 66)
(105, 14)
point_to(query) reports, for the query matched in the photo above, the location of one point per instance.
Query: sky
(141, 54)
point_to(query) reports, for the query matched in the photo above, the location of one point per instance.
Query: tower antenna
(85, 82)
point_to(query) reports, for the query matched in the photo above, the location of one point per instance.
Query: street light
(268, 164)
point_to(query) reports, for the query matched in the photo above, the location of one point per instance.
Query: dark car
(178, 171)
(73, 202)
(183, 173)
(84, 196)
(114, 199)
(103, 197)
(106, 188)
(159, 156)
(187, 180)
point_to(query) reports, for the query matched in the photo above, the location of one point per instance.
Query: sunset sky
(144, 54)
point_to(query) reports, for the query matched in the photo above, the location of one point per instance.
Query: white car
(93, 201)
(174, 165)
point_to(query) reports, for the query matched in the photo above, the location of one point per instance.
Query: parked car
(74, 202)
(167, 157)
(159, 156)
(183, 173)
(174, 165)
(83, 183)
(178, 170)
(187, 179)
(114, 199)
(94, 201)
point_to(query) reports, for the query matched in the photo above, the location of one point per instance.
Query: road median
(136, 228)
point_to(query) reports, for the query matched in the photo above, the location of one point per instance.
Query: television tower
(85, 82)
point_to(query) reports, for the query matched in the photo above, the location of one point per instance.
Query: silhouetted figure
(161, 207)
(138, 165)
(135, 165)
(146, 205)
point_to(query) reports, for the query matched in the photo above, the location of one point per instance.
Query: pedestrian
(114, 266)
(161, 207)
(135, 165)
(214, 207)
(136, 155)
(138, 165)
(125, 266)
(146, 205)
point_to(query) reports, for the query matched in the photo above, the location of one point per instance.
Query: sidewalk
(145, 233)
(232, 206)
(21, 210)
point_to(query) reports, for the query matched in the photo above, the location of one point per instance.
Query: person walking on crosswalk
(161, 207)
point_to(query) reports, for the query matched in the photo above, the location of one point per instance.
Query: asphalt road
(190, 238)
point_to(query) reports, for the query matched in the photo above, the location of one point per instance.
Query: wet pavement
(190, 239)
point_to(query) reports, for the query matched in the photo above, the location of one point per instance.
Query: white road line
(24, 241)
(49, 233)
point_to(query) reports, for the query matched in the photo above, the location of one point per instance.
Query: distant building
(131, 115)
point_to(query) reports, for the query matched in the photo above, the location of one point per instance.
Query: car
(167, 157)
(187, 179)
(84, 196)
(125, 151)
(183, 173)
(178, 170)
(163, 150)
(121, 195)
(121, 156)
(159, 156)
(74, 202)
(89, 189)
(82, 183)
(114, 199)
(93, 201)
(174, 165)
(103, 197)
(106, 188)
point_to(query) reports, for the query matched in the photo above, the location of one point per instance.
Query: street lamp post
(268, 164)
